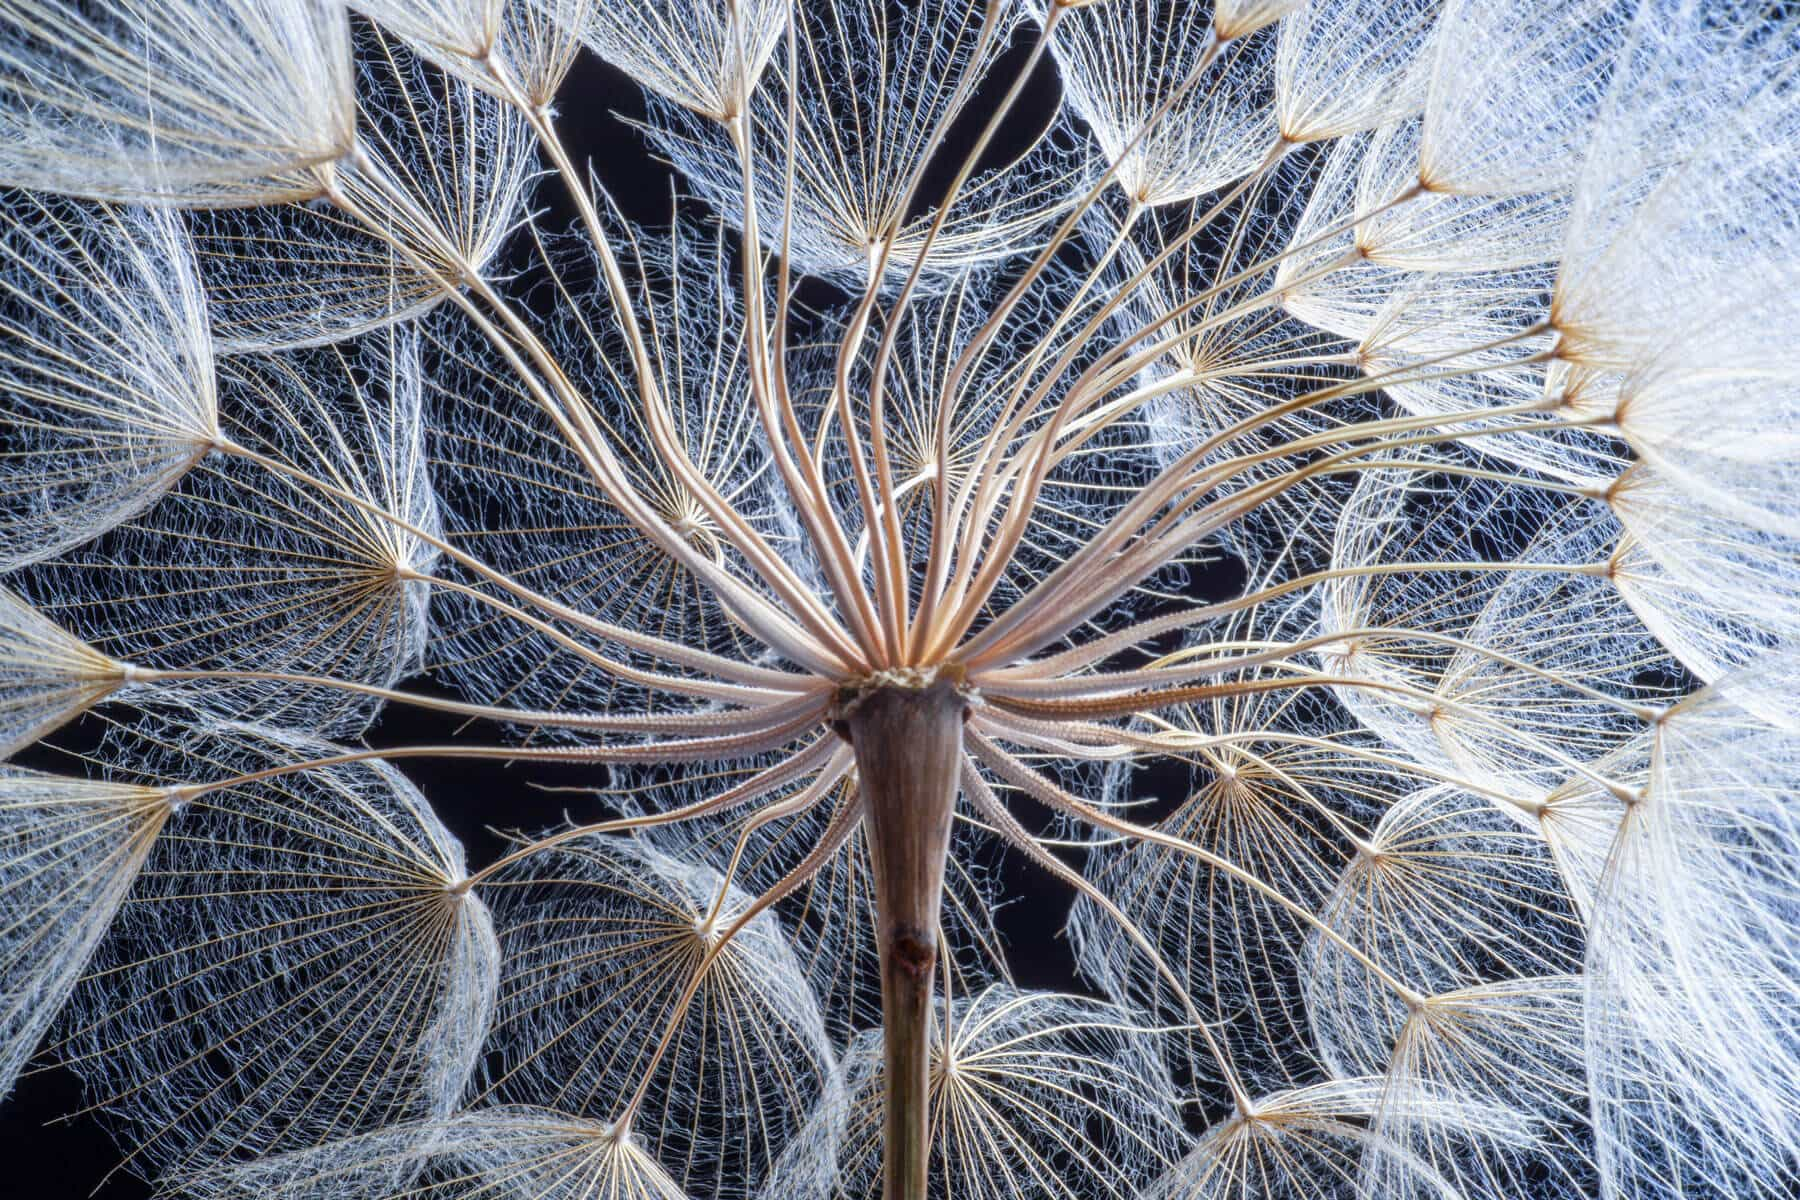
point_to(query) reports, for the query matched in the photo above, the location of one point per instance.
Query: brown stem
(908, 739)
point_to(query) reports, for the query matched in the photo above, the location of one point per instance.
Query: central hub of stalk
(908, 741)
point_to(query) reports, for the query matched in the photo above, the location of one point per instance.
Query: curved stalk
(673, 652)
(1055, 798)
(812, 646)
(733, 721)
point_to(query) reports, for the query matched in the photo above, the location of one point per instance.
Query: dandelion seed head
(1313, 482)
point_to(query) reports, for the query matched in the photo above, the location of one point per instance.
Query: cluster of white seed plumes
(858, 522)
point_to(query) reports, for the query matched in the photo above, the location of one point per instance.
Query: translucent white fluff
(603, 939)
(306, 928)
(106, 389)
(195, 101)
(1033, 1093)
(72, 849)
(706, 55)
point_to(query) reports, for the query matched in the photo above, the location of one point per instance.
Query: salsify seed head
(1315, 484)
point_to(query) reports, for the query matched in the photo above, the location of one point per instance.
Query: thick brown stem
(908, 743)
